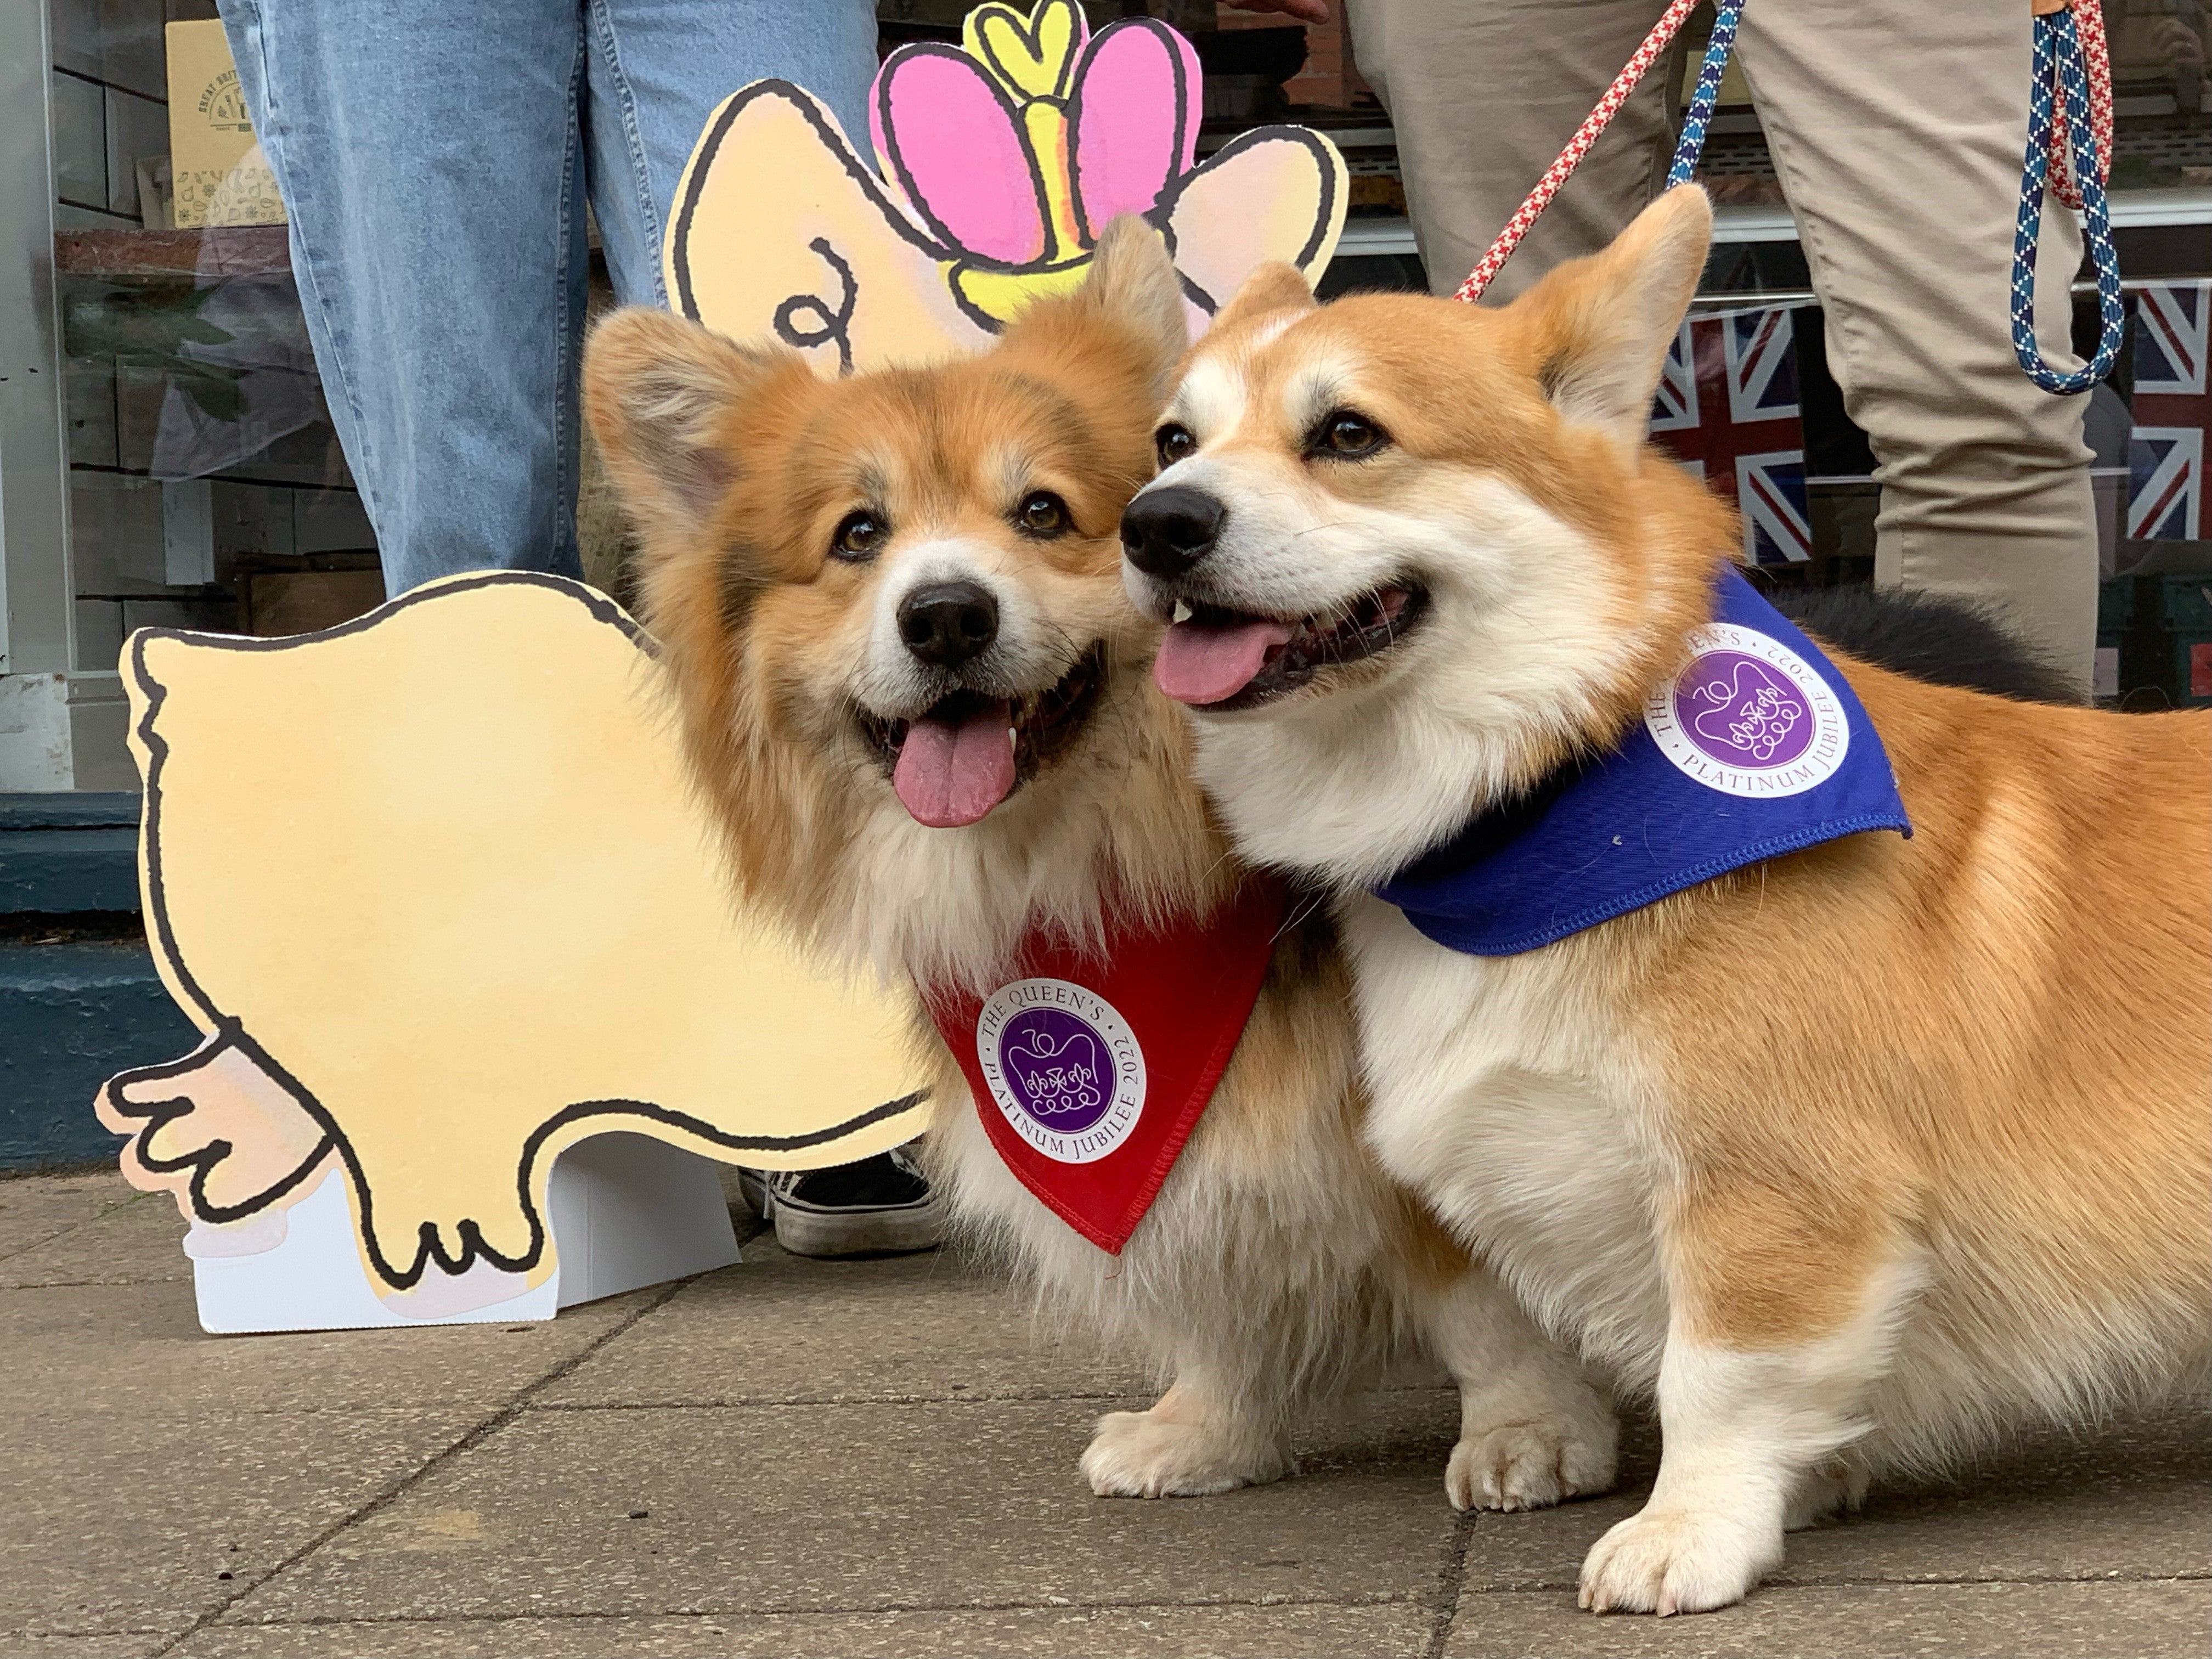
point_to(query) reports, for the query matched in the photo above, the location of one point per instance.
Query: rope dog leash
(1662, 33)
(2069, 75)
(2071, 56)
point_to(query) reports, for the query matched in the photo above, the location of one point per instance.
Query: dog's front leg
(1781, 1318)
(1534, 1428)
(1201, 1437)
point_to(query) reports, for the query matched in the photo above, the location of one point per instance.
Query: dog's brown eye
(1173, 444)
(1042, 513)
(858, 537)
(1348, 436)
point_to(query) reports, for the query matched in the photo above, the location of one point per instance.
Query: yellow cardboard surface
(218, 173)
(433, 884)
(782, 229)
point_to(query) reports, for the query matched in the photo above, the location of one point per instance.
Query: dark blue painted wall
(71, 1016)
(79, 999)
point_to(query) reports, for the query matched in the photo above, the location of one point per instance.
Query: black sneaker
(881, 1206)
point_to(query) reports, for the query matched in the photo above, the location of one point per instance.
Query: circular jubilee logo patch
(1063, 1065)
(1749, 716)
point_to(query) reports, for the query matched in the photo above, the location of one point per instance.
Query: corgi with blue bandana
(1819, 1050)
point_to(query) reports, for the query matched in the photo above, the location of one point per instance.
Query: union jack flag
(2170, 413)
(1727, 409)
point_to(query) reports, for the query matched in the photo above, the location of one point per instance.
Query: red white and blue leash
(2070, 102)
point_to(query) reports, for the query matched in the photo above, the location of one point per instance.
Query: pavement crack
(1449, 1583)
(75, 1226)
(406, 1483)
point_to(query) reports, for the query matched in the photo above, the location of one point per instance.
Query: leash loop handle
(2060, 92)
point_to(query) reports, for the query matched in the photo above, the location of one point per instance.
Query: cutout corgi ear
(1275, 286)
(659, 393)
(1599, 329)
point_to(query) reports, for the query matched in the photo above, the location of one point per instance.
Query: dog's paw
(1142, 1455)
(1669, 1561)
(1820, 1493)
(1563, 1451)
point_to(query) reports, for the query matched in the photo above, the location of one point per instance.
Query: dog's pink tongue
(948, 775)
(1201, 664)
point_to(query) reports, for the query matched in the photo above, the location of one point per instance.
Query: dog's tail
(1930, 637)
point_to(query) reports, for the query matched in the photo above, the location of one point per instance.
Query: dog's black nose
(946, 623)
(1165, 531)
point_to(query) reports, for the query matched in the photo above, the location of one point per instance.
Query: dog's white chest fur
(1500, 1098)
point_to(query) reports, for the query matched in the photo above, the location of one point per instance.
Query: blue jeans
(436, 156)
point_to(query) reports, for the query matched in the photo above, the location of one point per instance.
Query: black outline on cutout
(1031, 32)
(833, 141)
(230, 1032)
(1186, 134)
(949, 253)
(894, 159)
(1163, 211)
(836, 325)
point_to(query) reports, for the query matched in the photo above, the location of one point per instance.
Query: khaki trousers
(1896, 128)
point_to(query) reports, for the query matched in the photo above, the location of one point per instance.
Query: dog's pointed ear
(659, 393)
(1130, 295)
(1275, 286)
(1600, 328)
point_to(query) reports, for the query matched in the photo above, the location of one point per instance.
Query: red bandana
(1090, 1074)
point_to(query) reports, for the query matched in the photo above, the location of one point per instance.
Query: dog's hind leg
(1534, 1428)
(1199, 1438)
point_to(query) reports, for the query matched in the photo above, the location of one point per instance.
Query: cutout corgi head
(1000, 164)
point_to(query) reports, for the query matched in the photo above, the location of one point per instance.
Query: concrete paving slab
(781, 1327)
(866, 1507)
(1322, 1631)
(2165, 1619)
(113, 1523)
(87, 1644)
(2131, 1499)
(136, 1349)
(35, 1209)
(136, 1242)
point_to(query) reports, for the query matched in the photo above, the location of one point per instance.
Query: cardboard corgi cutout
(997, 163)
(478, 1005)
(433, 884)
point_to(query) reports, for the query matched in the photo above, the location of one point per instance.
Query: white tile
(332, 521)
(218, 613)
(132, 53)
(78, 115)
(137, 127)
(115, 533)
(74, 35)
(70, 217)
(89, 385)
(99, 635)
(251, 518)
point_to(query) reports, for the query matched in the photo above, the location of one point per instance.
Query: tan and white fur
(788, 526)
(1856, 1159)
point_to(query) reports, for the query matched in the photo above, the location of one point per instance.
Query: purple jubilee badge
(1758, 748)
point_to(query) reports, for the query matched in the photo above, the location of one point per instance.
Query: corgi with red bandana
(918, 701)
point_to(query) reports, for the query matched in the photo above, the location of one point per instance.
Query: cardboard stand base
(626, 1211)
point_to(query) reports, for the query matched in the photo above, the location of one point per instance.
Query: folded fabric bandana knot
(1089, 1070)
(1758, 748)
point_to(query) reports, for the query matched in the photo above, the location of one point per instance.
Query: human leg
(658, 68)
(1484, 94)
(1898, 129)
(428, 159)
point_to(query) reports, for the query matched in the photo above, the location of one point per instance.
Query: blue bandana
(1757, 749)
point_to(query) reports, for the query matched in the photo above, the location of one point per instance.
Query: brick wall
(1329, 78)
